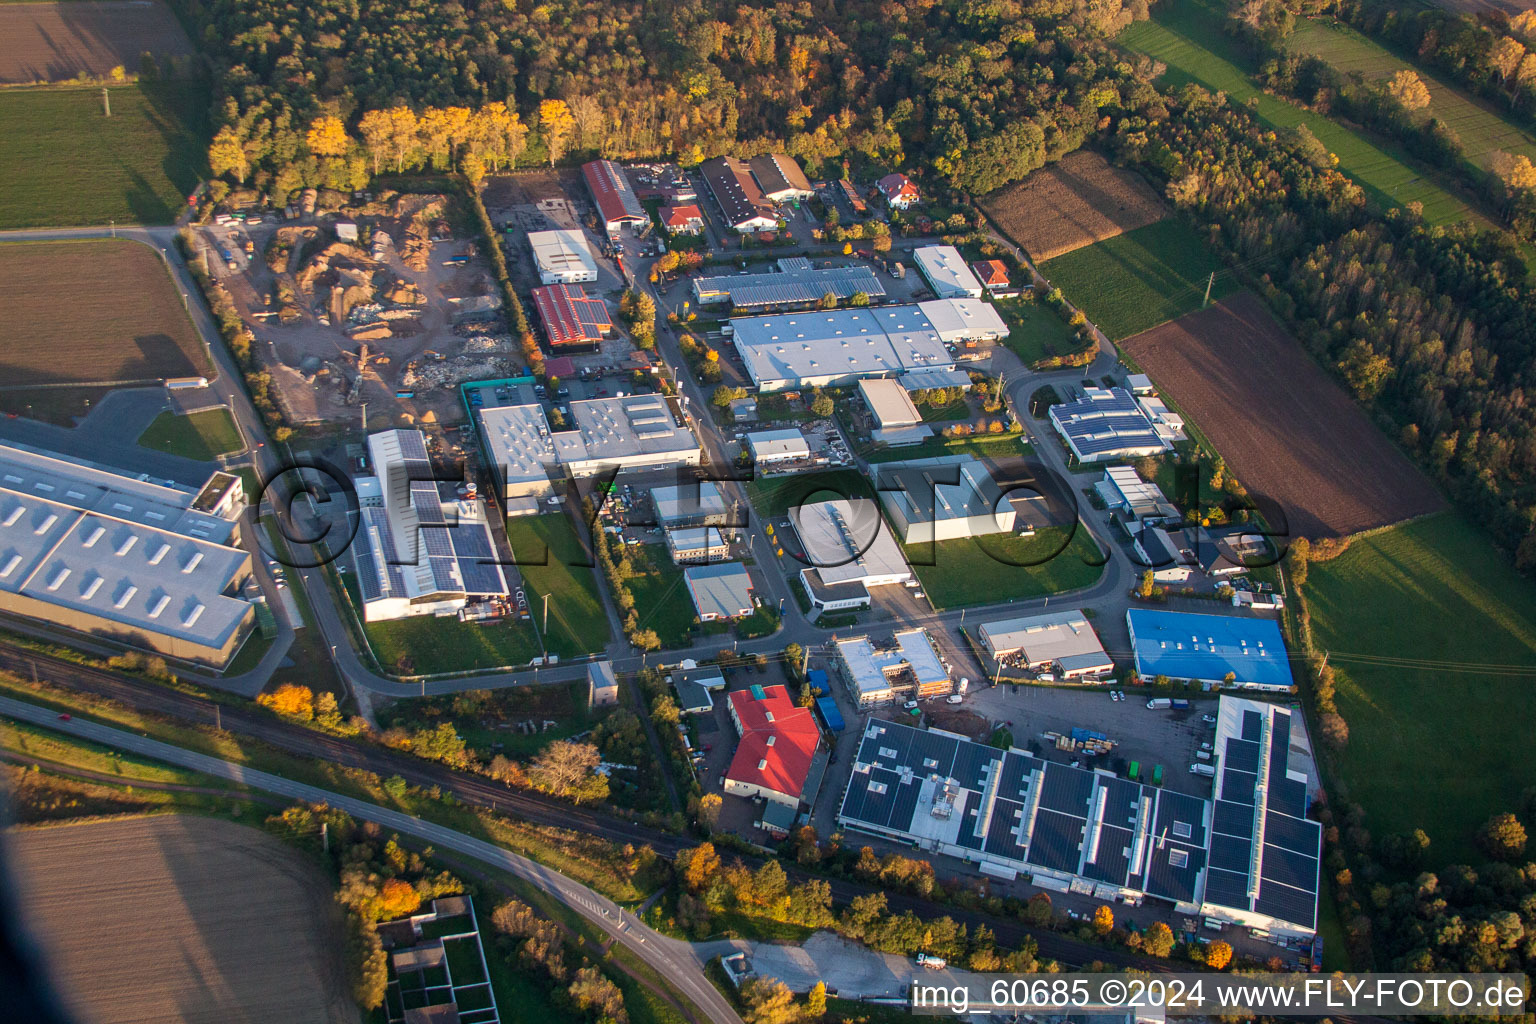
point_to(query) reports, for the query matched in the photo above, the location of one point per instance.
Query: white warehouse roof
(946, 271)
(789, 349)
(959, 320)
(562, 255)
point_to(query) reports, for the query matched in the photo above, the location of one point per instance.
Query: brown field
(56, 42)
(1286, 429)
(174, 917)
(83, 316)
(1079, 200)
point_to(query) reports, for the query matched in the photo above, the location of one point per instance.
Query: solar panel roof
(1232, 818)
(1238, 786)
(1111, 857)
(1286, 903)
(1225, 887)
(1055, 841)
(1231, 853)
(1242, 755)
(1066, 789)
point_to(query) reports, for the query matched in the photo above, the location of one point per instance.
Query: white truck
(1159, 703)
(936, 963)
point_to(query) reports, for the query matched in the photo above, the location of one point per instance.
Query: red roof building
(778, 743)
(571, 318)
(993, 274)
(617, 203)
(685, 219)
(898, 190)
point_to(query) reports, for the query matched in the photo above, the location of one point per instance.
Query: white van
(1202, 769)
(1204, 755)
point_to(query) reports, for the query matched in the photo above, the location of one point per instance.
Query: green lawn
(554, 561)
(985, 446)
(662, 597)
(428, 645)
(1187, 36)
(1035, 331)
(1482, 131)
(1140, 279)
(203, 436)
(774, 496)
(64, 164)
(1433, 636)
(958, 573)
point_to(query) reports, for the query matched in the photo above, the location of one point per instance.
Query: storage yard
(1291, 435)
(122, 324)
(191, 919)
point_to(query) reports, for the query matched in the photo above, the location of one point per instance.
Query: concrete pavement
(673, 959)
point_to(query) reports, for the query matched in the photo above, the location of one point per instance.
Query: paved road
(673, 959)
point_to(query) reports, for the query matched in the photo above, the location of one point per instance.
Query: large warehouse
(848, 550)
(633, 432)
(776, 753)
(427, 550)
(617, 204)
(1249, 856)
(951, 497)
(1192, 645)
(562, 257)
(907, 668)
(572, 319)
(795, 285)
(737, 194)
(946, 273)
(1060, 642)
(836, 347)
(1107, 424)
(150, 563)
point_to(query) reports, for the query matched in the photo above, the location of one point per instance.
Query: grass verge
(202, 436)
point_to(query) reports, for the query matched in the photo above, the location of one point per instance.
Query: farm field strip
(1288, 432)
(1186, 36)
(190, 918)
(1079, 200)
(1481, 130)
(53, 42)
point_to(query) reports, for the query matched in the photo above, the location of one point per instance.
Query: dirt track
(55, 42)
(180, 918)
(1285, 428)
(1079, 200)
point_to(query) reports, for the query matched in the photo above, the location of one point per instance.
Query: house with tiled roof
(993, 275)
(777, 751)
(898, 190)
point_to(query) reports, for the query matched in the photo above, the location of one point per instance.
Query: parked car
(1208, 719)
(953, 698)
(910, 705)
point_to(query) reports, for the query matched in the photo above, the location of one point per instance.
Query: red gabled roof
(778, 741)
(681, 216)
(893, 186)
(993, 273)
(616, 201)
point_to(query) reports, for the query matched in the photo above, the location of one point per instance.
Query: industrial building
(690, 544)
(720, 590)
(148, 563)
(907, 668)
(1248, 857)
(776, 753)
(951, 497)
(632, 432)
(848, 550)
(617, 204)
(945, 271)
(737, 194)
(837, 347)
(771, 446)
(795, 285)
(1123, 491)
(699, 503)
(780, 178)
(1062, 643)
(428, 550)
(1107, 424)
(897, 419)
(562, 257)
(961, 321)
(572, 319)
(696, 685)
(1190, 645)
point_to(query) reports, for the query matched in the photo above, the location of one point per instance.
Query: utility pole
(546, 615)
(113, 223)
(325, 836)
(218, 718)
(106, 102)
(365, 417)
(1208, 284)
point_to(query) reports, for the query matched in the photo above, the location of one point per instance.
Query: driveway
(848, 968)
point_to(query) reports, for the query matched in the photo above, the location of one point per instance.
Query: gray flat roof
(945, 268)
(874, 342)
(688, 501)
(520, 443)
(890, 403)
(561, 252)
(1048, 637)
(870, 667)
(941, 488)
(847, 542)
(788, 287)
(720, 588)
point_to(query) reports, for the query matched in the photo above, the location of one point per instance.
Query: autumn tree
(1502, 837)
(376, 130)
(816, 1001)
(821, 405)
(1409, 90)
(569, 769)
(768, 1001)
(556, 126)
(709, 809)
(698, 866)
(397, 898)
(1103, 919)
(367, 963)
(1515, 170)
(1218, 955)
(226, 155)
(327, 136)
(1157, 940)
(594, 993)
(291, 701)
(1298, 559)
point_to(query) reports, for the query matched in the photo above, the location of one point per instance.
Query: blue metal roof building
(1188, 645)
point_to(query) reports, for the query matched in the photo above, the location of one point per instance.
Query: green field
(1035, 332)
(577, 622)
(1008, 446)
(1482, 131)
(661, 596)
(1186, 35)
(428, 645)
(1140, 279)
(1436, 635)
(65, 164)
(958, 573)
(203, 436)
(774, 496)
